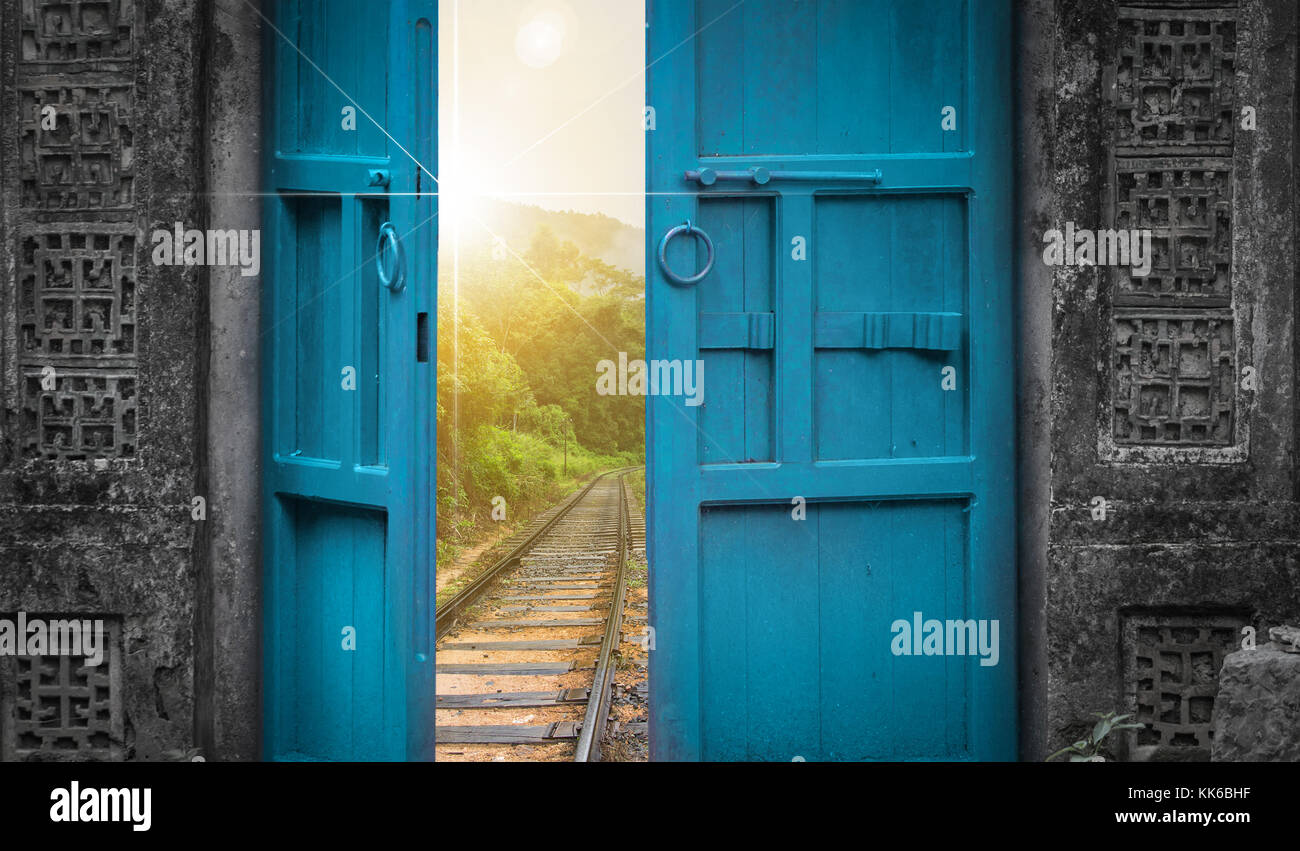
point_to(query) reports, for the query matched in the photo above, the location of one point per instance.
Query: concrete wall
(130, 389)
(121, 405)
(1168, 467)
(99, 461)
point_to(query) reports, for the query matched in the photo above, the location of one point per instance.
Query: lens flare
(540, 40)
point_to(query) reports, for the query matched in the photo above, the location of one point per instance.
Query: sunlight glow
(540, 40)
(466, 181)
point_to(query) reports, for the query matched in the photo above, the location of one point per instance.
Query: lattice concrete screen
(60, 707)
(1173, 367)
(1173, 378)
(76, 238)
(1174, 87)
(1189, 214)
(1171, 675)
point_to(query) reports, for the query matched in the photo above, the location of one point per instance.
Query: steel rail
(593, 722)
(446, 615)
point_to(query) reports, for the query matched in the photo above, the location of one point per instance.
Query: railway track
(525, 653)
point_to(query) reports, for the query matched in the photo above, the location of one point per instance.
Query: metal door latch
(761, 176)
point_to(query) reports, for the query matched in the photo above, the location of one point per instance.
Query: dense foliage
(518, 343)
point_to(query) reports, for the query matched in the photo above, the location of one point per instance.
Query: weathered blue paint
(815, 129)
(348, 472)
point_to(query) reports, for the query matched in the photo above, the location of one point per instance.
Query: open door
(348, 383)
(846, 487)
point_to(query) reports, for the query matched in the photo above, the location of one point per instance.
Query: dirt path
(466, 559)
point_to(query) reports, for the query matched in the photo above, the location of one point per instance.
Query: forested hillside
(611, 240)
(518, 344)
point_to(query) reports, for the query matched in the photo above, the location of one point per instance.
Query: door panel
(851, 464)
(889, 316)
(785, 77)
(347, 402)
(737, 333)
(814, 665)
(312, 227)
(339, 579)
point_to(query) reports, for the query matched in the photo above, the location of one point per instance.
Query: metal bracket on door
(761, 176)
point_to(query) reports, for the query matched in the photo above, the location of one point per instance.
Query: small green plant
(1086, 750)
(636, 573)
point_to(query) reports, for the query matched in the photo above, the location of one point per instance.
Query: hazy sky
(541, 101)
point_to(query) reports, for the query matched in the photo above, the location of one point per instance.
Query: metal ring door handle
(672, 276)
(395, 277)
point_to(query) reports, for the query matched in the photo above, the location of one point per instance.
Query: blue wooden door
(831, 526)
(348, 381)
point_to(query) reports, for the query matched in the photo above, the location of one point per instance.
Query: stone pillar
(231, 730)
(1170, 397)
(99, 368)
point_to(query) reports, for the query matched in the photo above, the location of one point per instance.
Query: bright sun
(540, 39)
(460, 207)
